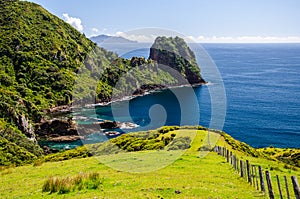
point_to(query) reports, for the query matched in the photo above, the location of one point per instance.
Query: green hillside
(41, 58)
(39, 55)
(196, 174)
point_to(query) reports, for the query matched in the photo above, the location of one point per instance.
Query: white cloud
(75, 22)
(242, 39)
(95, 30)
(149, 38)
(137, 37)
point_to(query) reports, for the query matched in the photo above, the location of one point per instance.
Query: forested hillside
(40, 59)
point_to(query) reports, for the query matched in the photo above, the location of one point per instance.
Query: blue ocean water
(262, 83)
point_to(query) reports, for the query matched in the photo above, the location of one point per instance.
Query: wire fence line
(260, 179)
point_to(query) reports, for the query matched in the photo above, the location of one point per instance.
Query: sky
(244, 21)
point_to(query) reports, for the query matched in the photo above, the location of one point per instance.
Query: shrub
(205, 148)
(167, 129)
(180, 143)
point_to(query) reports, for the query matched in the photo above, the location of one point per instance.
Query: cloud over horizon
(243, 39)
(215, 39)
(75, 22)
(95, 30)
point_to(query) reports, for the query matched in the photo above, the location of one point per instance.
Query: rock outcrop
(26, 127)
(59, 130)
(56, 128)
(175, 53)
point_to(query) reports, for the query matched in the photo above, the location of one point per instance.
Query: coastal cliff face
(40, 57)
(175, 53)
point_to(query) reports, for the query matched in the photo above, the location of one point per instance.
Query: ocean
(262, 96)
(262, 83)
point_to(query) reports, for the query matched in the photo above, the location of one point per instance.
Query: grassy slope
(267, 163)
(206, 177)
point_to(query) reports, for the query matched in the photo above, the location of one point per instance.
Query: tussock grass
(38, 163)
(65, 185)
(4, 170)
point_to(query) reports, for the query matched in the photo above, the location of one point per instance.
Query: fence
(254, 175)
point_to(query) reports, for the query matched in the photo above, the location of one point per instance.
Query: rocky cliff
(175, 53)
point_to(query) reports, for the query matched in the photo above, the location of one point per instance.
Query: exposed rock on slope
(175, 53)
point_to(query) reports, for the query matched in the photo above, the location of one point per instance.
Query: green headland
(40, 59)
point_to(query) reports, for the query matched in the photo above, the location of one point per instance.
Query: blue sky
(201, 20)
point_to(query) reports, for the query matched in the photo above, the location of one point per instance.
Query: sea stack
(175, 53)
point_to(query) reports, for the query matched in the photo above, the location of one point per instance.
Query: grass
(147, 174)
(68, 184)
(274, 166)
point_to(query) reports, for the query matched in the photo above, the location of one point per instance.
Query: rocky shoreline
(60, 130)
(66, 129)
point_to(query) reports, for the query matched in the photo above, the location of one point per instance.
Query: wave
(128, 125)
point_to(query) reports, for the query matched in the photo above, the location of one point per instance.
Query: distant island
(111, 39)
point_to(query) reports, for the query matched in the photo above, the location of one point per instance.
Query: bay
(262, 83)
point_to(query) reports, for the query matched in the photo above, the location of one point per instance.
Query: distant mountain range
(110, 39)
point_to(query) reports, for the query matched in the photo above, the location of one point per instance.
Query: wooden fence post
(242, 168)
(253, 176)
(227, 155)
(269, 183)
(256, 177)
(296, 187)
(231, 161)
(261, 178)
(248, 171)
(234, 162)
(287, 188)
(279, 187)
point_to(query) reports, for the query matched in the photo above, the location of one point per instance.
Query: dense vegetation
(165, 138)
(15, 148)
(289, 156)
(39, 55)
(40, 59)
